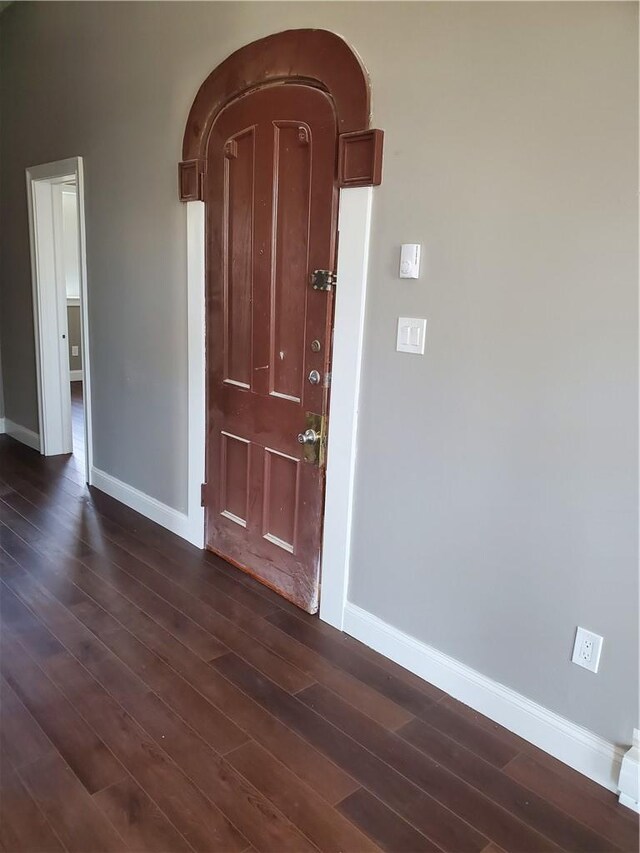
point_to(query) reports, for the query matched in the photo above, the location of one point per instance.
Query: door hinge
(203, 494)
(322, 279)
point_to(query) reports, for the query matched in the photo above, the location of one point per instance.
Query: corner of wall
(629, 781)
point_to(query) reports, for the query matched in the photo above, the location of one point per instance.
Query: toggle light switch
(412, 333)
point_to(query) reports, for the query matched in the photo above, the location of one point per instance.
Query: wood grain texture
(318, 57)
(140, 823)
(379, 822)
(272, 201)
(23, 825)
(22, 741)
(69, 807)
(155, 699)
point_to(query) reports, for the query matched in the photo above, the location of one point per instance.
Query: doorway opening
(55, 193)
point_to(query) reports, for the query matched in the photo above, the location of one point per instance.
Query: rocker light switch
(411, 335)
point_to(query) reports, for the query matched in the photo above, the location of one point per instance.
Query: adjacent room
(319, 520)
(71, 261)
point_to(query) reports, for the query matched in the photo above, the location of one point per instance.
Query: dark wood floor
(155, 699)
(77, 422)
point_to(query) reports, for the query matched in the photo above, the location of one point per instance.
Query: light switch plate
(410, 260)
(412, 333)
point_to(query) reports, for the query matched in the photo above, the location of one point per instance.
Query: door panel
(234, 478)
(292, 195)
(271, 219)
(239, 180)
(280, 499)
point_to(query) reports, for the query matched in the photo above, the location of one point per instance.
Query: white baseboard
(174, 520)
(20, 433)
(629, 783)
(572, 744)
(2, 429)
(76, 375)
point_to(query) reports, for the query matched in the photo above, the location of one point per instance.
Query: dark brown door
(271, 220)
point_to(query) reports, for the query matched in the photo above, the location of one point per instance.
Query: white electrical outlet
(74, 350)
(587, 649)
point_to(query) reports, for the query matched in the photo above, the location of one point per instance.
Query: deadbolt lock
(313, 439)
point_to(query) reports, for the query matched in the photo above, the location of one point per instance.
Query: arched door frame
(321, 59)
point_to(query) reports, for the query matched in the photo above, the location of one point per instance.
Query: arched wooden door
(272, 135)
(271, 197)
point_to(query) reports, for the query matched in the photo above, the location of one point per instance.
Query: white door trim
(354, 225)
(353, 249)
(197, 424)
(52, 363)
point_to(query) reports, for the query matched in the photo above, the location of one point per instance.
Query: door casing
(49, 305)
(354, 228)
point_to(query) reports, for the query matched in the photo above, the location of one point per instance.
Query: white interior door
(51, 316)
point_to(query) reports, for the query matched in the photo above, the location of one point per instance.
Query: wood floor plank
(388, 830)
(518, 800)
(306, 762)
(204, 718)
(321, 823)
(116, 666)
(85, 753)
(216, 624)
(603, 818)
(234, 720)
(262, 824)
(369, 673)
(426, 814)
(509, 739)
(213, 621)
(70, 809)
(138, 820)
(196, 816)
(466, 801)
(360, 694)
(479, 740)
(579, 782)
(22, 741)
(243, 806)
(395, 669)
(19, 466)
(45, 534)
(23, 825)
(280, 663)
(283, 667)
(377, 706)
(569, 776)
(203, 565)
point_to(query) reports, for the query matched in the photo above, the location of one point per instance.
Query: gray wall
(74, 329)
(1, 385)
(497, 476)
